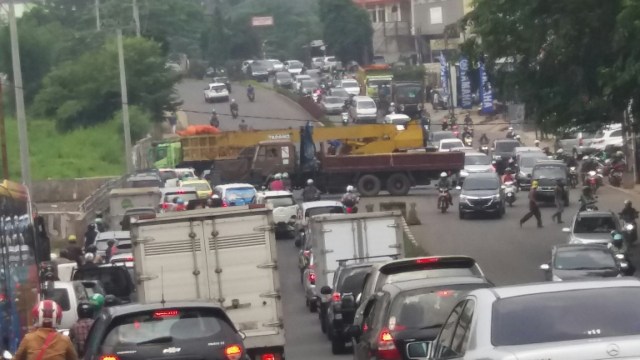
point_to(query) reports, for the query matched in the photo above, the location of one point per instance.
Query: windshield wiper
(158, 340)
(431, 327)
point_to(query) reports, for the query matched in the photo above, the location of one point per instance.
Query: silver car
(559, 320)
(592, 227)
(475, 162)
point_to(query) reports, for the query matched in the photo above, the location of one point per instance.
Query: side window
(461, 336)
(616, 133)
(261, 153)
(369, 314)
(443, 344)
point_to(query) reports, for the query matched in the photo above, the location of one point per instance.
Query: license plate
(418, 350)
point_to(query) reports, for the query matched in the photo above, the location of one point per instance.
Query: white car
(297, 80)
(329, 63)
(245, 65)
(363, 110)
(312, 208)
(216, 92)
(397, 119)
(475, 162)
(608, 135)
(449, 144)
(285, 210)
(277, 65)
(317, 62)
(350, 86)
(294, 67)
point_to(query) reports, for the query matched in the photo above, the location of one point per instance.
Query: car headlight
(495, 197)
(464, 198)
(521, 174)
(464, 173)
(629, 227)
(556, 278)
(497, 157)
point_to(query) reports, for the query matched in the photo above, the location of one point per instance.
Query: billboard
(262, 21)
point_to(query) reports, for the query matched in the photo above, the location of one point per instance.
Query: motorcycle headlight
(497, 157)
(401, 107)
(556, 278)
(573, 168)
(629, 227)
(464, 173)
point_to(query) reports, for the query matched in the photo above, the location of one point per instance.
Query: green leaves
(347, 29)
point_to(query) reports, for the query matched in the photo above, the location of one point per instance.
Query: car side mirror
(624, 265)
(620, 256)
(566, 230)
(545, 267)
(325, 290)
(354, 331)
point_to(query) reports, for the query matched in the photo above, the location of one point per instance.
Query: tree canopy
(346, 28)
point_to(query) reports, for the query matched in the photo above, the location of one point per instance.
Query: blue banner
(444, 78)
(465, 83)
(486, 92)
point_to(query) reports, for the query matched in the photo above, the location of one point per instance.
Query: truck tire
(398, 184)
(369, 185)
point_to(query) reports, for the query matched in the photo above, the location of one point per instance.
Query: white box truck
(226, 256)
(121, 200)
(352, 238)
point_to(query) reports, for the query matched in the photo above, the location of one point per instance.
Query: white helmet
(393, 104)
(285, 175)
(233, 100)
(215, 196)
(585, 157)
(517, 137)
(510, 128)
(277, 176)
(443, 174)
(213, 110)
(310, 182)
(350, 189)
(537, 142)
(560, 151)
(89, 257)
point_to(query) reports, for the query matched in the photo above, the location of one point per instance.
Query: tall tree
(347, 29)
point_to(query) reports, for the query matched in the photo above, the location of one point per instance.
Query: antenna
(163, 301)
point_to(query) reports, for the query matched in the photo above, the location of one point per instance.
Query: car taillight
(580, 142)
(224, 204)
(312, 278)
(109, 357)
(268, 357)
(233, 352)
(386, 348)
(335, 297)
(165, 206)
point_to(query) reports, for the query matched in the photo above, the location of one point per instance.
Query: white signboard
(435, 15)
(262, 21)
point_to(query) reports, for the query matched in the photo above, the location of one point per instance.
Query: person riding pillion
(310, 192)
(586, 199)
(79, 331)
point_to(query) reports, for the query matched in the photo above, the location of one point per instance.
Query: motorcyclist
(617, 161)
(73, 250)
(79, 331)
(617, 244)
(628, 213)
(213, 121)
(392, 108)
(511, 133)
(588, 164)
(586, 198)
(517, 137)
(216, 202)
(90, 235)
(349, 199)
(445, 124)
(276, 184)
(111, 250)
(310, 192)
(468, 121)
(100, 225)
(44, 342)
(243, 125)
(97, 301)
(444, 183)
(484, 140)
(89, 261)
(233, 106)
(508, 176)
(250, 91)
(286, 182)
(536, 143)
(466, 132)
(560, 155)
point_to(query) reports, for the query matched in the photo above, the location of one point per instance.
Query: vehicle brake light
(444, 293)
(268, 357)
(430, 260)
(233, 352)
(312, 278)
(335, 297)
(386, 348)
(224, 204)
(165, 313)
(165, 206)
(109, 357)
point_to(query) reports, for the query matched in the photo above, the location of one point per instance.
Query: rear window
(345, 83)
(594, 225)
(426, 308)
(366, 104)
(437, 136)
(218, 87)
(280, 201)
(352, 281)
(186, 196)
(144, 183)
(283, 76)
(506, 146)
(584, 259)
(164, 327)
(246, 194)
(565, 316)
(451, 144)
(530, 161)
(61, 297)
(477, 160)
(324, 210)
(481, 183)
(549, 172)
(199, 186)
(114, 281)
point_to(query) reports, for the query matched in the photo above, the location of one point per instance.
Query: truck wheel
(369, 185)
(398, 184)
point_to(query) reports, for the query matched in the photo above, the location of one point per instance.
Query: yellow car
(202, 187)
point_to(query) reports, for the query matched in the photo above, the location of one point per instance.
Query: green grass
(94, 151)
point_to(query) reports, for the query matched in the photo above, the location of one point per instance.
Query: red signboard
(262, 21)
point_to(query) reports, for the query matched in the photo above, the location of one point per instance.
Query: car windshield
(483, 183)
(61, 297)
(529, 161)
(221, 79)
(295, 65)
(477, 160)
(408, 93)
(352, 281)
(324, 210)
(280, 201)
(333, 100)
(594, 225)
(283, 76)
(186, 196)
(506, 146)
(549, 172)
(440, 135)
(446, 145)
(565, 316)
(346, 84)
(218, 87)
(584, 259)
(309, 84)
(164, 327)
(199, 186)
(377, 82)
(426, 308)
(366, 105)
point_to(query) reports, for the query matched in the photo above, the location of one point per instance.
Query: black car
(502, 152)
(408, 97)
(573, 262)
(407, 315)
(164, 331)
(116, 280)
(259, 71)
(524, 165)
(283, 79)
(481, 193)
(349, 282)
(547, 173)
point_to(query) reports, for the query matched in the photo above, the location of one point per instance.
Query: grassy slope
(86, 152)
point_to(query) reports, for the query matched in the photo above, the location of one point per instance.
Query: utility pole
(3, 138)
(125, 105)
(97, 8)
(136, 17)
(25, 166)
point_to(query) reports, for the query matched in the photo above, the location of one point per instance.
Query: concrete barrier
(62, 224)
(65, 190)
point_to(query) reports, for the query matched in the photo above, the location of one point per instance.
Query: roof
(234, 185)
(597, 213)
(433, 282)
(506, 140)
(136, 307)
(398, 116)
(194, 181)
(597, 246)
(450, 140)
(135, 191)
(475, 153)
(320, 203)
(362, 98)
(217, 84)
(527, 149)
(274, 193)
(558, 286)
(114, 235)
(482, 175)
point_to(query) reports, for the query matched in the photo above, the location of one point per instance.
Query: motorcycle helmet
(559, 151)
(585, 158)
(72, 239)
(617, 238)
(534, 184)
(277, 176)
(47, 313)
(285, 175)
(510, 128)
(233, 100)
(443, 174)
(180, 201)
(213, 111)
(97, 300)
(627, 202)
(85, 310)
(350, 189)
(508, 170)
(215, 196)
(310, 182)
(592, 173)
(537, 142)
(517, 137)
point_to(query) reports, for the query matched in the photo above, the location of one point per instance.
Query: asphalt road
(507, 253)
(269, 111)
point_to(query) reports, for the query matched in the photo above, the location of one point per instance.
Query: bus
(21, 246)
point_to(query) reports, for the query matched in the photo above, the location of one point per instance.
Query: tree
(347, 29)
(556, 51)
(86, 91)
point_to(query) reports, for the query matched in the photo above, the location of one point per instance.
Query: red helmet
(47, 313)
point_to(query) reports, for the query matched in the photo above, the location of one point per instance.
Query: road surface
(508, 254)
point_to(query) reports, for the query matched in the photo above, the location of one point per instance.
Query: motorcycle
(510, 192)
(630, 229)
(443, 200)
(251, 96)
(484, 149)
(468, 141)
(593, 181)
(615, 177)
(573, 177)
(214, 122)
(345, 118)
